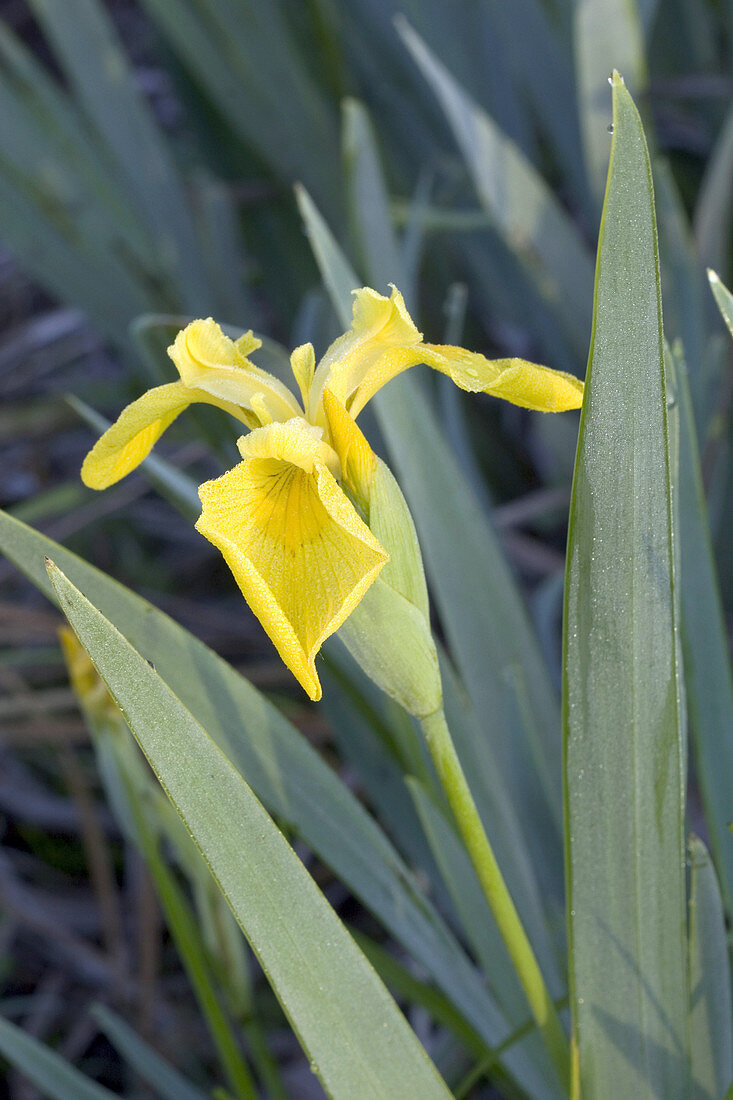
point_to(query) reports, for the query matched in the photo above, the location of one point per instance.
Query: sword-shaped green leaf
(46, 1069)
(711, 1022)
(624, 770)
(708, 682)
(285, 772)
(358, 1040)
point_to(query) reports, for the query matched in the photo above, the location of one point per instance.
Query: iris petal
(517, 380)
(207, 359)
(356, 458)
(138, 428)
(298, 550)
(383, 342)
(379, 325)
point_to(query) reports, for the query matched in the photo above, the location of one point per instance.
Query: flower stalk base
(452, 777)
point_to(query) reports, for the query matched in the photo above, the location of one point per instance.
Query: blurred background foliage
(148, 152)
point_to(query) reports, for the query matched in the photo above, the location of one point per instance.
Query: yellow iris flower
(296, 544)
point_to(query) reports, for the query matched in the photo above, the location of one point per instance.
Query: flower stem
(453, 779)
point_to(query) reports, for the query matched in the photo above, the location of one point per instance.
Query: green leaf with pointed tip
(708, 681)
(358, 1040)
(282, 768)
(723, 297)
(624, 770)
(711, 1014)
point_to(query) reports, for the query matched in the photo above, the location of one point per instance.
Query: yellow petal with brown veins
(296, 546)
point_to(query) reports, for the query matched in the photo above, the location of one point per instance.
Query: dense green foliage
(460, 152)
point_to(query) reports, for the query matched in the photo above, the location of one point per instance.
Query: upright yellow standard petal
(379, 326)
(356, 458)
(303, 363)
(384, 342)
(132, 436)
(296, 546)
(207, 359)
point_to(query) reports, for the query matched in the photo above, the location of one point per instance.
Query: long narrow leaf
(358, 1040)
(242, 53)
(713, 210)
(708, 681)
(282, 768)
(624, 771)
(165, 1081)
(46, 1069)
(711, 1014)
(95, 66)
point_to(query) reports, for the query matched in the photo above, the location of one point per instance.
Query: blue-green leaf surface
(624, 770)
(282, 768)
(708, 682)
(523, 208)
(95, 66)
(358, 1040)
(711, 1015)
(47, 1070)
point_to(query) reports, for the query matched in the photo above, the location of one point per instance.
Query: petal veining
(298, 550)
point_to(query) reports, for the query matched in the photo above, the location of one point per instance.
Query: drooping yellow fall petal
(296, 546)
(207, 359)
(517, 380)
(384, 342)
(132, 436)
(356, 458)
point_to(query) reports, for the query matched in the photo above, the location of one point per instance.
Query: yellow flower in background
(296, 544)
